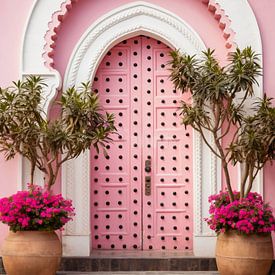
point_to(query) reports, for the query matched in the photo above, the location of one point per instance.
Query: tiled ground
(138, 261)
(149, 263)
(89, 264)
(144, 273)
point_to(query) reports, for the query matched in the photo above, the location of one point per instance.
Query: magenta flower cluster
(35, 209)
(249, 215)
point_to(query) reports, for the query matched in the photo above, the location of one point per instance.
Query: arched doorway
(141, 191)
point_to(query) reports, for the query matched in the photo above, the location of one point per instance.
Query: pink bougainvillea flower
(35, 209)
(247, 216)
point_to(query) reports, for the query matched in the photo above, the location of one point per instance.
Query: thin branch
(206, 128)
(217, 113)
(240, 105)
(250, 180)
(32, 172)
(67, 157)
(232, 141)
(256, 173)
(244, 179)
(225, 167)
(207, 143)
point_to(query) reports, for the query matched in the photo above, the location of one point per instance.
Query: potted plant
(35, 214)
(32, 246)
(242, 135)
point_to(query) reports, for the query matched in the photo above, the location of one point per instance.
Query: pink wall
(14, 13)
(13, 16)
(12, 24)
(195, 13)
(264, 11)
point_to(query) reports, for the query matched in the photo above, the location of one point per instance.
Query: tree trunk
(32, 172)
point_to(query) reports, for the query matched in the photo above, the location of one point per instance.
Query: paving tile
(176, 264)
(212, 264)
(204, 264)
(145, 273)
(115, 265)
(193, 265)
(148, 264)
(104, 265)
(95, 265)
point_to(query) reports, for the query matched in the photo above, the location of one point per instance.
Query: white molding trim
(32, 61)
(53, 82)
(148, 19)
(76, 245)
(246, 33)
(35, 31)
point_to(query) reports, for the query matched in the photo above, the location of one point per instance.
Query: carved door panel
(167, 220)
(141, 195)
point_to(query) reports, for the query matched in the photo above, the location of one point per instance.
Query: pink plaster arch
(59, 16)
(224, 22)
(53, 28)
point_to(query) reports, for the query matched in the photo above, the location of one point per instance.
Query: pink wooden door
(141, 192)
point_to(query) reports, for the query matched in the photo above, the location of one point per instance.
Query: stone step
(177, 264)
(146, 265)
(139, 263)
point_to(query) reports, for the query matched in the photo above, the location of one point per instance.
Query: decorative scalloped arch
(66, 6)
(224, 22)
(53, 28)
(129, 20)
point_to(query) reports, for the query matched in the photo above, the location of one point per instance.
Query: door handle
(148, 178)
(147, 185)
(148, 165)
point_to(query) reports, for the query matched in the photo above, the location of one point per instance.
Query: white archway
(126, 21)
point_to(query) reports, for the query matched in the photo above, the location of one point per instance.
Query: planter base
(31, 252)
(244, 255)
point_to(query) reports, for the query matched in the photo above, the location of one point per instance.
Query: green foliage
(219, 94)
(256, 142)
(25, 129)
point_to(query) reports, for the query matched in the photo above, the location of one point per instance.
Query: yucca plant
(219, 106)
(46, 143)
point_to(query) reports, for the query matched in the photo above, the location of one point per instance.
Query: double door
(141, 190)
